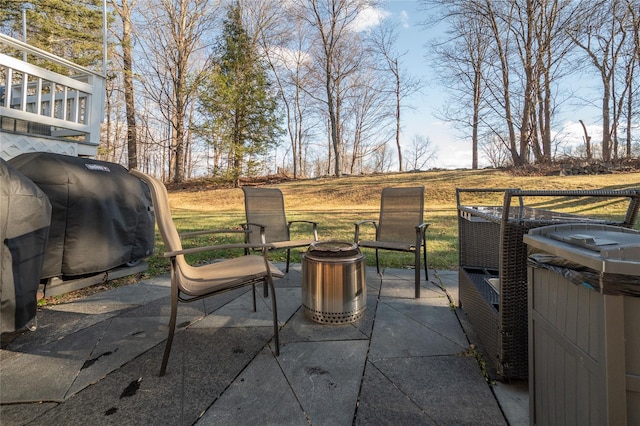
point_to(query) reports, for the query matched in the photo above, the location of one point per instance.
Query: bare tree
(634, 17)
(384, 38)
(587, 141)
(500, 19)
(110, 138)
(285, 46)
(175, 50)
(543, 48)
(461, 63)
(480, 51)
(124, 10)
(603, 36)
(368, 120)
(331, 22)
(496, 151)
(381, 159)
(507, 58)
(420, 153)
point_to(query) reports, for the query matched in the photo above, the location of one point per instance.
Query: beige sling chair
(264, 209)
(400, 227)
(190, 283)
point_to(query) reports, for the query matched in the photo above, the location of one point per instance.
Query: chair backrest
(401, 210)
(167, 228)
(265, 206)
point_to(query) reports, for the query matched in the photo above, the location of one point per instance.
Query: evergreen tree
(238, 99)
(71, 29)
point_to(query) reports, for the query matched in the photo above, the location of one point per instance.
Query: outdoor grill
(101, 216)
(334, 289)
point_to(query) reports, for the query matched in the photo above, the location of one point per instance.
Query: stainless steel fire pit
(334, 289)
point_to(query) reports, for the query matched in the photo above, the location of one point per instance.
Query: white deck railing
(67, 107)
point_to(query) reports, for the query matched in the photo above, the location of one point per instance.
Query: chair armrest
(216, 247)
(422, 227)
(302, 221)
(214, 231)
(356, 236)
(246, 226)
(315, 227)
(374, 222)
(420, 232)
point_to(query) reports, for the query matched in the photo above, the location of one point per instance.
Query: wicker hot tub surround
(493, 262)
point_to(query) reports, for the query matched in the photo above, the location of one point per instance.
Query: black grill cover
(102, 217)
(25, 214)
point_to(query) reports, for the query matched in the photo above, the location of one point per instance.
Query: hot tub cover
(102, 217)
(25, 215)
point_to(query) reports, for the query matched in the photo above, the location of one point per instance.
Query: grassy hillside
(337, 203)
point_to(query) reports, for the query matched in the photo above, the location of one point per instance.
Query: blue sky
(420, 119)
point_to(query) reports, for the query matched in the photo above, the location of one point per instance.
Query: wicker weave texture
(513, 317)
(480, 247)
(482, 314)
(495, 234)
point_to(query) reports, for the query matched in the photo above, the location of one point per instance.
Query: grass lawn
(336, 204)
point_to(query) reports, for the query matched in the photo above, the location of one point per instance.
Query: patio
(406, 361)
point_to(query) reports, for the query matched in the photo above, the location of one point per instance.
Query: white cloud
(288, 58)
(571, 134)
(404, 19)
(369, 18)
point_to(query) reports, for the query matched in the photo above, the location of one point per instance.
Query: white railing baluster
(23, 92)
(76, 99)
(38, 109)
(8, 89)
(73, 106)
(65, 107)
(52, 100)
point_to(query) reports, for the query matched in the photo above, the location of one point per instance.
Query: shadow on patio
(406, 361)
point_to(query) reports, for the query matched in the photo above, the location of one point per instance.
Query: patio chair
(400, 227)
(264, 209)
(190, 283)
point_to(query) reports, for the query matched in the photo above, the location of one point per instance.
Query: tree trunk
(132, 139)
(546, 134)
(629, 114)
(397, 75)
(506, 94)
(587, 141)
(529, 98)
(606, 124)
(178, 148)
(333, 121)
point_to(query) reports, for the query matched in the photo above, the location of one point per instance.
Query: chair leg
(274, 308)
(253, 292)
(288, 259)
(377, 262)
(426, 264)
(172, 326)
(417, 271)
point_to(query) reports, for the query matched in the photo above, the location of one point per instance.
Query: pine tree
(71, 29)
(239, 100)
